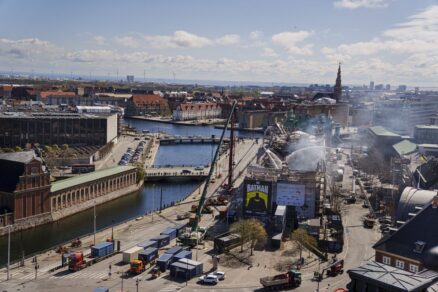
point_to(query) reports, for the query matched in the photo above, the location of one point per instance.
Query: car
(220, 275)
(186, 171)
(209, 279)
(136, 138)
(365, 205)
(199, 168)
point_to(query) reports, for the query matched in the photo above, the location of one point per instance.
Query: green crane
(210, 174)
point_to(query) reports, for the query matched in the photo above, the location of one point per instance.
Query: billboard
(257, 198)
(289, 194)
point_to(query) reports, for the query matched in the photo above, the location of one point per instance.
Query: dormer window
(419, 246)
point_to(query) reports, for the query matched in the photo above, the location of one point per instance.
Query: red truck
(287, 280)
(76, 262)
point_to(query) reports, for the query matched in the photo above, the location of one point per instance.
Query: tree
(251, 230)
(140, 172)
(18, 149)
(303, 239)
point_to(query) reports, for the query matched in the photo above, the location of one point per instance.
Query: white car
(209, 279)
(220, 275)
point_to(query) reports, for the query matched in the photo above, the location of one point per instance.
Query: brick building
(24, 187)
(146, 104)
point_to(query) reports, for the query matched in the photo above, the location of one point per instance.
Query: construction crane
(200, 207)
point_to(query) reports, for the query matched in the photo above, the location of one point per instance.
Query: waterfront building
(196, 111)
(109, 98)
(24, 187)
(21, 128)
(54, 97)
(146, 104)
(82, 188)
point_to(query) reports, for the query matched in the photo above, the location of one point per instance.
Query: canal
(128, 207)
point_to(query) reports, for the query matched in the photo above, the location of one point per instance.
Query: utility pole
(9, 252)
(112, 230)
(153, 201)
(136, 283)
(94, 235)
(231, 160)
(36, 268)
(161, 198)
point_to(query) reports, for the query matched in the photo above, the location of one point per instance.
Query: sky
(293, 41)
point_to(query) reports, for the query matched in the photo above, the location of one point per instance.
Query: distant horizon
(86, 78)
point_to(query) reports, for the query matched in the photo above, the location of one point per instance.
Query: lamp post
(112, 230)
(137, 281)
(9, 252)
(94, 235)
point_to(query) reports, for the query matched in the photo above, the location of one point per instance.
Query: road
(130, 234)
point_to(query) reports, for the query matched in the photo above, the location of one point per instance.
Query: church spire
(337, 94)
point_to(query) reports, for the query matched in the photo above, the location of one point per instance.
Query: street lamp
(94, 235)
(112, 230)
(9, 252)
(137, 282)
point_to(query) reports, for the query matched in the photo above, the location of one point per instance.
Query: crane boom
(210, 173)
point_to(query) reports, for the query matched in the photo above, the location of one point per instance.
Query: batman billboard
(257, 198)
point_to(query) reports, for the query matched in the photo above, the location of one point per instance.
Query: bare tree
(249, 230)
(302, 239)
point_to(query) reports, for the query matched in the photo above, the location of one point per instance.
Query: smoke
(306, 151)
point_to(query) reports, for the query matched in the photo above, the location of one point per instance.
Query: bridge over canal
(158, 173)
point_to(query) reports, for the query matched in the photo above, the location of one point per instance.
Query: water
(181, 130)
(50, 235)
(194, 154)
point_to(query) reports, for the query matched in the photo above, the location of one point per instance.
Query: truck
(76, 262)
(147, 256)
(291, 279)
(131, 254)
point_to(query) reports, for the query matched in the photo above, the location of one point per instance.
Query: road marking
(170, 288)
(82, 275)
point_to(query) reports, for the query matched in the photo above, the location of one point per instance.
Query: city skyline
(384, 41)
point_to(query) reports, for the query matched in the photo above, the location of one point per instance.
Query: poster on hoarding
(290, 194)
(257, 198)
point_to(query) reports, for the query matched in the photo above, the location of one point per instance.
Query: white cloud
(256, 35)
(228, 39)
(127, 41)
(99, 40)
(31, 48)
(290, 41)
(354, 4)
(268, 52)
(180, 38)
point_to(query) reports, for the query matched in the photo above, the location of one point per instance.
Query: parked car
(199, 168)
(186, 171)
(209, 279)
(220, 275)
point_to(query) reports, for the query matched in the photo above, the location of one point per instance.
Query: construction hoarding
(290, 194)
(257, 197)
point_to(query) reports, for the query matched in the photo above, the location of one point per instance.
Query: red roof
(7, 87)
(198, 106)
(45, 94)
(148, 99)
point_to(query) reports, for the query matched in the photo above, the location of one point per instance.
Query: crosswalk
(170, 288)
(84, 274)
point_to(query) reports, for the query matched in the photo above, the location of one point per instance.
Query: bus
(82, 168)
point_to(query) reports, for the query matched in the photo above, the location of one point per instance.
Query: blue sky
(388, 41)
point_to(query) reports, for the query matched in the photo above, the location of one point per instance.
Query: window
(419, 246)
(399, 264)
(413, 268)
(386, 260)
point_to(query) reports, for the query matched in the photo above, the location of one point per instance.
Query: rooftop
(435, 127)
(381, 131)
(22, 157)
(49, 115)
(393, 279)
(84, 178)
(405, 147)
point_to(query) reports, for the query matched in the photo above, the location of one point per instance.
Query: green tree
(303, 239)
(8, 150)
(251, 230)
(140, 172)
(18, 149)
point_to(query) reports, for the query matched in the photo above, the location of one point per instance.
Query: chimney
(435, 202)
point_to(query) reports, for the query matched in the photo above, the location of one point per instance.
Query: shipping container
(148, 243)
(102, 249)
(180, 228)
(148, 254)
(225, 242)
(198, 265)
(162, 240)
(172, 232)
(184, 271)
(131, 254)
(174, 250)
(185, 254)
(164, 261)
